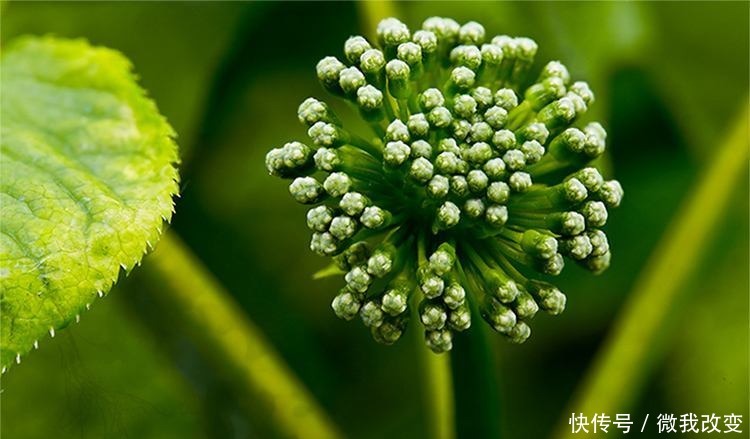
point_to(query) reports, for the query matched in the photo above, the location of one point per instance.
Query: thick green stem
(477, 378)
(624, 362)
(232, 343)
(438, 393)
(476, 375)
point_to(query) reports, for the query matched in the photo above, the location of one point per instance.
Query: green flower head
(470, 185)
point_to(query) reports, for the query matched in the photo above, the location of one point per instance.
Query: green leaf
(87, 177)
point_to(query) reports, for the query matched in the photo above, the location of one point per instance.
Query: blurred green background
(670, 80)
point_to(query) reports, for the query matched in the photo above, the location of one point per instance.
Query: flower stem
(477, 379)
(439, 393)
(232, 343)
(623, 364)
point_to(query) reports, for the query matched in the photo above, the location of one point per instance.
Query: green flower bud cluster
(468, 186)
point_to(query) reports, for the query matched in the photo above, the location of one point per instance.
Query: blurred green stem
(622, 365)
(232, 343)
(438, 393)
(476, 377)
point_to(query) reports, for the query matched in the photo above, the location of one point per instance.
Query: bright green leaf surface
(86, 180)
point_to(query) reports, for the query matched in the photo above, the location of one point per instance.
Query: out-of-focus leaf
(94, 383)
(87, 177)
(699, 60)
(177, 46)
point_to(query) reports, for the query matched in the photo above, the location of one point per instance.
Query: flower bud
(467, 184)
